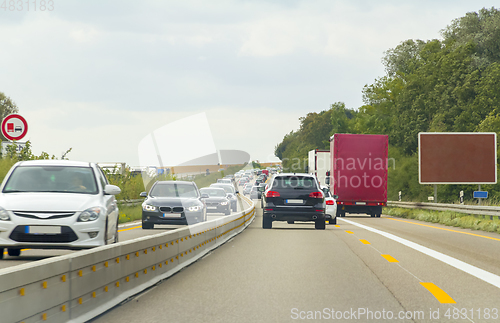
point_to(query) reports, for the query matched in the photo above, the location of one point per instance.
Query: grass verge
(454, 219)
(129, 213)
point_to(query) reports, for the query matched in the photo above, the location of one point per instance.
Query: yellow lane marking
(130, 228)
(390, 258)
(336, 225)
(364, 241)
(350, 232)
(431, 226)
(438, 293)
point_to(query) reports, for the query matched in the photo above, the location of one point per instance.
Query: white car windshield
(61, 179)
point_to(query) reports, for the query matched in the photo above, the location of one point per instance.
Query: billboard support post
(479, 200)
(435, 193)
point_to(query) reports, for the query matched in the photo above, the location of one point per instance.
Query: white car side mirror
(112, 190)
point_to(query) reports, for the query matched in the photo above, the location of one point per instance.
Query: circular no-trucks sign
(14, 127)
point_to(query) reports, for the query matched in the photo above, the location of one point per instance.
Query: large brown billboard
(457, 157)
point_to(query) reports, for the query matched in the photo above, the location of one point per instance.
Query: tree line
(441, 85)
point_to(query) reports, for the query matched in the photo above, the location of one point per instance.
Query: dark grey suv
(293, 197)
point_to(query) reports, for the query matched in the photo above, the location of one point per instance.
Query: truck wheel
(378, 215)
(13, 252)
(333, 221)
(1, 253)
(290, 222)
(320, 225)
(267, 223)
(147, 226)
(373, 215)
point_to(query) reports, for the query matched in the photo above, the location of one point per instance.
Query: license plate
(42, 229)
(171, 215)
(211, 208)
(360, 203)
(294, 201)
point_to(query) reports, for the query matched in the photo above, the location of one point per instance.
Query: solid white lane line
(463, 266)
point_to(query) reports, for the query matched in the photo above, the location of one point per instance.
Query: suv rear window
(294, 182)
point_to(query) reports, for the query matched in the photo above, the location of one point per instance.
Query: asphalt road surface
(362, 270)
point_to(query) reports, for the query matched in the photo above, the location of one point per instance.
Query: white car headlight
(4, 215)
(194, 208)
(223, 203)
(147, 207)
(90, 214)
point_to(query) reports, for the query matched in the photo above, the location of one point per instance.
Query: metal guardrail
(468, 209)
(84, 284)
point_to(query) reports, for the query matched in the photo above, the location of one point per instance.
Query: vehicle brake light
(272, 194)
(330, 202)
(318, 195)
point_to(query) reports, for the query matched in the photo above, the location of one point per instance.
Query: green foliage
(256, 165)
(449, 85)
(462, 220)
(7, 106)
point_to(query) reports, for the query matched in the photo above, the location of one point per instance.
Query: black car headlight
(194, 208)
(149, 207)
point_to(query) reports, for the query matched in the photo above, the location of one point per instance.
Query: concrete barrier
(80, 286)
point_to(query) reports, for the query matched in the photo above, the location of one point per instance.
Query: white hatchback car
(56, 204)
(331, 205)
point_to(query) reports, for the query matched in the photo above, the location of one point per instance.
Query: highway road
(362, 270)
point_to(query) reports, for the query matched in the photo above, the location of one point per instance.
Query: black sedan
(216, 200)
(172, 202)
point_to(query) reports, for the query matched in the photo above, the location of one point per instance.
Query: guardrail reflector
(106, 264)
(127, 279)
(117, 284)
(106, 288)
(93, 294)
(21, 292)
(93, 268)
(80, 301)
(80, 273)
(63, 308)
(127, 257)
(117, 260)
(44, 285)
(63, 278)
(136, 275)
(44, 316)
(137, 254)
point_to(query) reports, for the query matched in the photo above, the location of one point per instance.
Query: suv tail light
(330, 202)
(272, 194)
(318, 195)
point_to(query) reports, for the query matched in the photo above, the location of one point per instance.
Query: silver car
(56, 204)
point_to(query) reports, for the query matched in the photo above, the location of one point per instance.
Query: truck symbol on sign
(11, 128)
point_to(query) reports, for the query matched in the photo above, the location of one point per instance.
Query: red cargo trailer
(358, 173)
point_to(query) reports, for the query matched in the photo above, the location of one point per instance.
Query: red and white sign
(14, 127)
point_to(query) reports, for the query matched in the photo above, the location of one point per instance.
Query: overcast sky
(99, 76)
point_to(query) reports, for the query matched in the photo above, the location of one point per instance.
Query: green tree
(7, 106)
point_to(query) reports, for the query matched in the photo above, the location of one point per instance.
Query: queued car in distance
(216, 200)
(173, 202)
(293, 197)
(331, 205)
(56, 204)
(224, 181)
(230, 192)
(247, 188)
